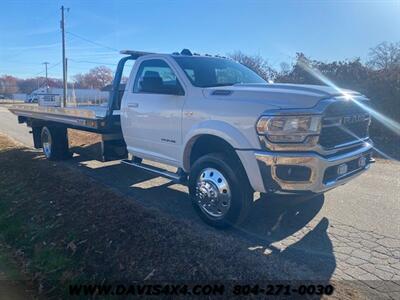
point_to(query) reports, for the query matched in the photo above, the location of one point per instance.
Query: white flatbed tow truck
(226, 131)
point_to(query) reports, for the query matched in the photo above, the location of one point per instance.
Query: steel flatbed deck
(103, 119)
(89, 117)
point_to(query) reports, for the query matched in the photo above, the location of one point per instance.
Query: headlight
(288, 129)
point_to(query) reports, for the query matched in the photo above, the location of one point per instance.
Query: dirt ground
(64, 227)
(79, 138)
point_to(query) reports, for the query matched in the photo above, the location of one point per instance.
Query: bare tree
(79, 80)
(97, 77)
(30, 84)
(255, 63)
(8, 85)
(385, 56)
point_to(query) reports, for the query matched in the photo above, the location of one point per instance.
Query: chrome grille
(344, 122)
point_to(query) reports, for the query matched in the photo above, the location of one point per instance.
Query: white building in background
(19, 96)
(52, 96)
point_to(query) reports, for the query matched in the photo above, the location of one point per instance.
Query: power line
(49, 68)
(52, 66)
(55, 65)
(92, 42)
(92, 62)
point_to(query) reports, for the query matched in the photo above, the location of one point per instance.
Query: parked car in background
(32, 99)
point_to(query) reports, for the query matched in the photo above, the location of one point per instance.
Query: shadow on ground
(271, 220)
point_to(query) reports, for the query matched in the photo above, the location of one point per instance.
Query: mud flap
(113, 150)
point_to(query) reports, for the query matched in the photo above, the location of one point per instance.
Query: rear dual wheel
(55, 143)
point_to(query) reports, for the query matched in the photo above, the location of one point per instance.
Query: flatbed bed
(87, 117)
(92, 118)
(103, 119)
(87, 111)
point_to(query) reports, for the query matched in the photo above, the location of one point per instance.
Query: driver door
(151, 120)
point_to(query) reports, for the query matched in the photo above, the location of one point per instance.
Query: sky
(96, 30)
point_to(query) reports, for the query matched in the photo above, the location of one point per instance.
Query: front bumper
(320, 177)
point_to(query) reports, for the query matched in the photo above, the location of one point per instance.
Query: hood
(276, 94)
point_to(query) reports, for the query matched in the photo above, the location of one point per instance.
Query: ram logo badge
(354, 119)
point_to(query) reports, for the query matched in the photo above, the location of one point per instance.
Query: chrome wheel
(46, 143)
(213, 193)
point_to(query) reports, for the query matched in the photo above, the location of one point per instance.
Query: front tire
(219, 190)
(55, 143)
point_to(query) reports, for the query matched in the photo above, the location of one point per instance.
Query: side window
(156, 77)
(227, 75)
(190, 73)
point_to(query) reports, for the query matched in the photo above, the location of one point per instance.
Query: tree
(255, 63)
(285, 68)
(80, 81)
(347, 73)
(8, 85)
(28, 85)
(385, 56)
(298, 72)
(97, 78)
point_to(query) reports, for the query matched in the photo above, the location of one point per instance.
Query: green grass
(8, 266)
(18, 231)
(50, 261)
(11, 228)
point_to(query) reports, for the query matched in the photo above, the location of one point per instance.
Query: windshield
(211, 71)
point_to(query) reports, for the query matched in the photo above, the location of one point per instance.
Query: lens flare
(362, 139)
(387, 122)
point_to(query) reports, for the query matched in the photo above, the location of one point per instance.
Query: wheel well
(205, 144)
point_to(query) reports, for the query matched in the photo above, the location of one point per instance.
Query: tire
(219, 190)
(55, 143)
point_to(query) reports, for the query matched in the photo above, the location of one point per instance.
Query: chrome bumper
(269, 161)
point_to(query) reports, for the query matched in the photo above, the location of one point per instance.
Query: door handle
(133, 104)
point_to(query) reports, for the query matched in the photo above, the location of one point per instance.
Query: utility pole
(47, 82)
(64, 100)
(66, 67)
(45, 64)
